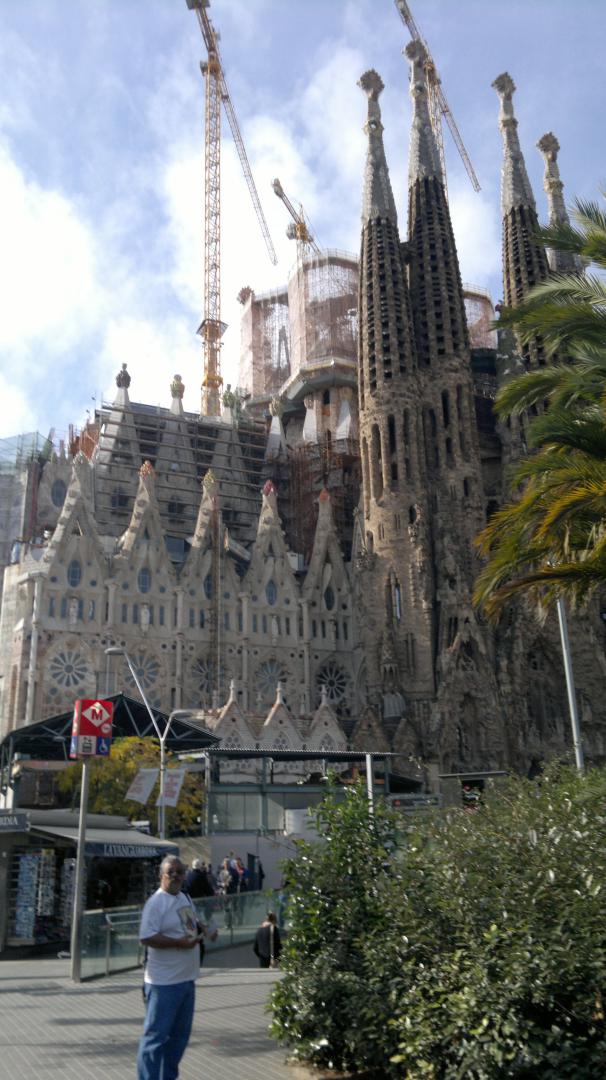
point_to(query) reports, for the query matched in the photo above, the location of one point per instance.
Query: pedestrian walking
(268, 945)
(171, 934)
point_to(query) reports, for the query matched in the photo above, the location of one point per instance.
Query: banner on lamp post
(141, 787)
(173, 782)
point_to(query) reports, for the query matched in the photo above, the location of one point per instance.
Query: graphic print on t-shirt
(186, 914)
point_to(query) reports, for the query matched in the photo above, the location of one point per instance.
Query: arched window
(208, 587)
(144, 579)
(74, 574)
(58, 493)
(271, 592)
(329, 597)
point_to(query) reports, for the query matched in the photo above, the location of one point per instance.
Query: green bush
(469, 944)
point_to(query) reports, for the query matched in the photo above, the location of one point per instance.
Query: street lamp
(177, 714)
(570, 687)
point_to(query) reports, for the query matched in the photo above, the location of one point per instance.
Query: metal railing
(110, 936)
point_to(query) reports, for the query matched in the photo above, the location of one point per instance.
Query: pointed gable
(270, 575)
(199, 559)
(368, 735)
(325, 732)
(76, 534)
(279, 732)
(326, 566)
(142, 544)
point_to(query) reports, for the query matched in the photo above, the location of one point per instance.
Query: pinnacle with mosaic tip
(515, 185)
(378, 200)
(123, 379)
(146, 470)
(424, 155)
(177, 387)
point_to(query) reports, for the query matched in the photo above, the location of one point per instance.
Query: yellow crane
(438, 105)
(299, 229)
(211, 329)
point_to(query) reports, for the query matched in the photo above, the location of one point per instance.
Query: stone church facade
(308, 584)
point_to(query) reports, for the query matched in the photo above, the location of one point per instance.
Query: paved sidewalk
(51, 1029)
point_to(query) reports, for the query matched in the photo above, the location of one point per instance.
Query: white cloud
(48, 283)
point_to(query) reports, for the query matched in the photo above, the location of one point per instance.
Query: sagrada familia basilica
(301, 567)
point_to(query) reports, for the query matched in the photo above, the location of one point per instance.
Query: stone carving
(177, 387)
(123, 379)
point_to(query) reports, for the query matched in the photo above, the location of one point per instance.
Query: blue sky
(101, 142)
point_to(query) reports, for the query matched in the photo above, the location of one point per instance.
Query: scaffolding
(330, 464)
(314, 318)
(479, 311)
(235, 454)
(323, 305)
(265, 343)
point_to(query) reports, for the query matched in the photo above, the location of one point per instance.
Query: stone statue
(123, 379)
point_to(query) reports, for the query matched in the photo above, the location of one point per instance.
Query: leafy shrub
(468, 944)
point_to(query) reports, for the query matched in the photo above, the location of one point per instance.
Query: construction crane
(438, 105)
(298, 229)
(211, 329)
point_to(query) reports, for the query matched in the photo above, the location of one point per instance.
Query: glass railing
(110, 937)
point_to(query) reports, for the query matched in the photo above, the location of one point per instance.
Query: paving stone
(51, 1028)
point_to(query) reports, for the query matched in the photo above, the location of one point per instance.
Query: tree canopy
(110, 779)
(550, 539)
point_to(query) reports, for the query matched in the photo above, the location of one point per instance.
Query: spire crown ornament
(177, 387)
(123, 379)
(515, 185)
(378, 196)
(424, 156)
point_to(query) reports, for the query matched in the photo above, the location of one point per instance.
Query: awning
(113, 843)
(50, 739)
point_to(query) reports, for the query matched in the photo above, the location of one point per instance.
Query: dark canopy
(49, 740)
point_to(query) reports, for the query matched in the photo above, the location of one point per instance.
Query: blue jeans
(169, 1013)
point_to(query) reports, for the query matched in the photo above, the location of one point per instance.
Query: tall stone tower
(524, 258)
(560, 262)
(395, 584)
(449, 431)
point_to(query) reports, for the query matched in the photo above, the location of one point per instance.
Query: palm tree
(550, 540)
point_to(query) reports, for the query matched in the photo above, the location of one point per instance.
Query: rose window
(202, 679)
(68, 668)
(147, 669)
(334, 681)
(269, 674)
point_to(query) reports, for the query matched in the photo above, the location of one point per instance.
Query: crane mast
(438, 105)
(211, 329)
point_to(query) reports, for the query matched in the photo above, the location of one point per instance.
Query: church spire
(378, 195)
(561, 262)
(515, 185)
(435, 280)
(424, 156)
(524, 258)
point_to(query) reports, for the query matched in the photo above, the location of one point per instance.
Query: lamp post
(572, 697)
(118, 650)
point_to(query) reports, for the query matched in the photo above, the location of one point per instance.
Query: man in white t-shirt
(171, 934)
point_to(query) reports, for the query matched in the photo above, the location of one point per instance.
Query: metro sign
(91, 728)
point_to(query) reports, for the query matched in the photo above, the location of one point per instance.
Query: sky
(101, 165)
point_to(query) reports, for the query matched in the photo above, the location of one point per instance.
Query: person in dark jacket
(196, 882)
(268, 945)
